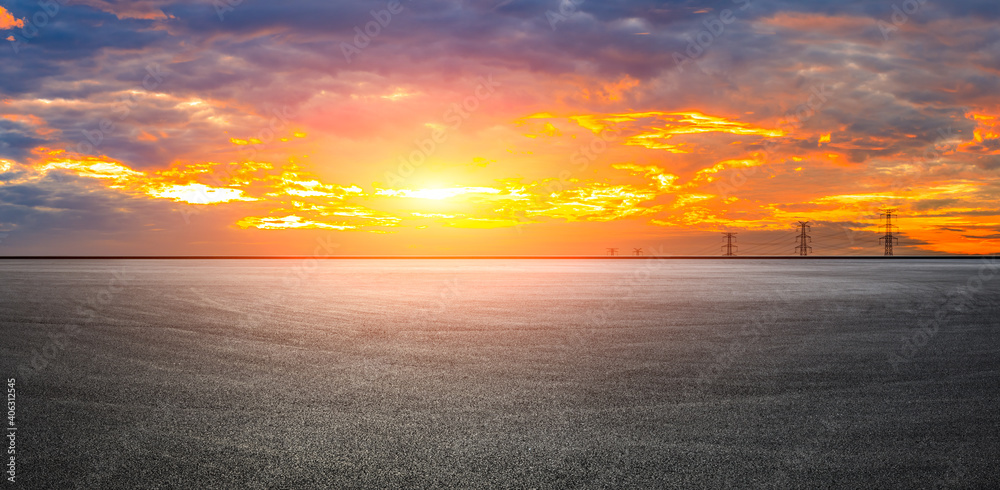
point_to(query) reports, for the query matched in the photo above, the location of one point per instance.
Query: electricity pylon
(803, 248)
(887, 238)
(728, 247)
(636, 251)
(612, 251)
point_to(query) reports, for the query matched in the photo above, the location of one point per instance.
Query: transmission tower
(804, 239)
(612, 251)
(636, 251)
(728, 247)
(887, 238)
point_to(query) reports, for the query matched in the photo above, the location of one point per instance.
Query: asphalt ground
(503, 373)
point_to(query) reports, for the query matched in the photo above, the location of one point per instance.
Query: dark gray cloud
(60, 202)
(16, 140)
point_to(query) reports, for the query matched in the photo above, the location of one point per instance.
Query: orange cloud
(986, 136)
(7, 21)
(655, 127)
(801, 21)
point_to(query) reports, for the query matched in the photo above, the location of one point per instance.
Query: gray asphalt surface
(504, 374)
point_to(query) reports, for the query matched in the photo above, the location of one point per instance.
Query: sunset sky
(497, 127)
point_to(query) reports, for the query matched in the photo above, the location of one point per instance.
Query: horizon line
(494, 257)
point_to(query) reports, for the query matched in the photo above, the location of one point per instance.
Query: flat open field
(503, 373)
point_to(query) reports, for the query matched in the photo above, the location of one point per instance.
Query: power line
(772, 247)
(728, 247)
(803, 248)
(887, 238)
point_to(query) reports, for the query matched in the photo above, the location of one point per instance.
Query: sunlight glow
(200, 194)
(437, 194)
(95, 168)
(287, 222)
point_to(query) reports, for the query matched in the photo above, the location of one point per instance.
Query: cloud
(8, 21)
(788, 108)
